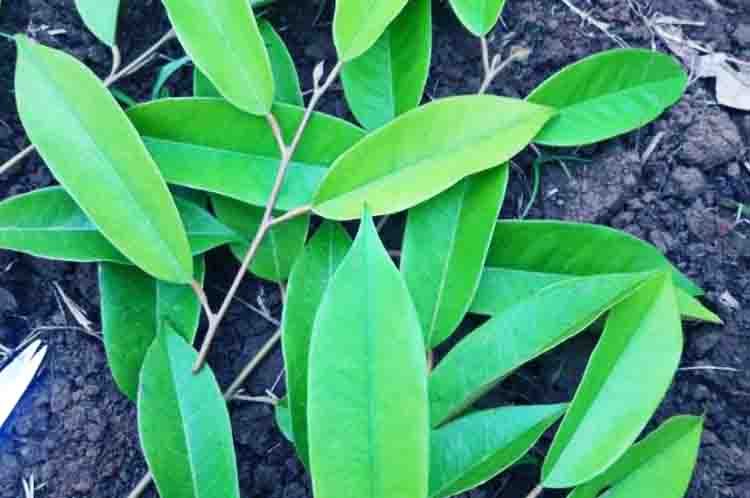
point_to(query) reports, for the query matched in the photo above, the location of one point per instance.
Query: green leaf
(608, 94)
(445, 245)
(479, 16)
(134, 307)
(308, 282)
(357, 24)
(100, 17)
(284, 72)
(367, 395)
(47, 223)
(214, 154)
(223, 40)
(426, 151)
(628, 373)
(281, 245)
(166, 72)
(659, 466)
(576, 249)
(500, 288)
(519, 334)
(283, 417)
(389, 78)
(100, 160)
(473, 449)
(184, 424)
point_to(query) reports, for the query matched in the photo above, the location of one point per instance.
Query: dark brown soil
(77, 434)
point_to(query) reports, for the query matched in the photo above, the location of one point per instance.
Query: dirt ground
(77, 434)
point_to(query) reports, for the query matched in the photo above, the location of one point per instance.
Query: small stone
(728, 300)
(690, 181)
(733, 170)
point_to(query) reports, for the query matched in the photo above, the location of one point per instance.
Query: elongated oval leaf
(214, 153)
(659, 466)
(47, 223)
(184, 424)
(100, 160)
(642, 339)
(389, 78)
(134, 306)
(608, 94)
(445, 245)
(575, 249)
(308, 282)
(223, 40)
(285, 76)
(357, 24)
(426, 151)
(477, 447)
(283, 417)
(518, 335)
(280, 247)
(500, 288)
(479, 16)
(100, 17)
(367, 392)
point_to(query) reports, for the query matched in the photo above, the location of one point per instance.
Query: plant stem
(534, 493)
(287, 151)
(114, 76)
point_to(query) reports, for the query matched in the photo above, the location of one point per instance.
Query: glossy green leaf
(577, 249)
(608, 94)
(628, 373)
(479, 16)
(659, 466)
(309, 280)
(500, 288)
(223, 40)
(47, 223)
(357, 24)
(473, 449)
(280, 247)
(283, 417)
(100, 17)
(214, 153)
(166, 72)
(134, 306)
(518, 335)
(445, 245)
(284, 72)
(368, 424)
(100, 160)
(389, 78)
(426, 151)
(184, 424)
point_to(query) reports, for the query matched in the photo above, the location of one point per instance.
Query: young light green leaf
(280, 247)
(576, 249)
(223, 40)
(100, 17)
(166, 72)
(425, 151)
(475, 448)
(100, 160)
(608, 94)
(642, 339)
(389, 78)
(283, 417)
(357, 24)
(479, 16)
(184, 424)
(445, 245)
(518, 335)
(134, 307)
(308, 282)
(500, 288)
(47, 223)
(659, 466)
(368, 424)
(285, 76)
(214, 153)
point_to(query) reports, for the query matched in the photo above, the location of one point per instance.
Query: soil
(77, 434)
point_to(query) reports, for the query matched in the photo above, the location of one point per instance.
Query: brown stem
(286, 156)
